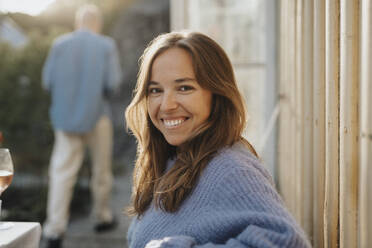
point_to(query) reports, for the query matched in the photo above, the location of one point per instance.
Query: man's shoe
(106, 226)
(53, 243)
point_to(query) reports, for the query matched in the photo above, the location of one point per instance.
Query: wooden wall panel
(366, 126)
(307, 110)
(299, 110)
(331, 203)
(287, 94)
(332, 127)
(349, 121)
(319, 123)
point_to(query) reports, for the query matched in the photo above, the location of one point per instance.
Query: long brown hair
(214, 72)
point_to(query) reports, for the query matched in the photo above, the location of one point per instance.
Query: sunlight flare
(31, 7)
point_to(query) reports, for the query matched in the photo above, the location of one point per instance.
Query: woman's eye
(154, 90)
(186, 88)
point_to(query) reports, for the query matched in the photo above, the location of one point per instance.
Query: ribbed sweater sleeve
(235, 204)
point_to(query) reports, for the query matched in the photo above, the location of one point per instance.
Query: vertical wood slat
(349, 99)
(319, 123)
(307, 110)
(365, 218)
(287, 124)
(291, 88)
(331, 203)
(299, 117)
(283, 154)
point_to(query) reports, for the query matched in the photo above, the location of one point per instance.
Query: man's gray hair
(87, 15)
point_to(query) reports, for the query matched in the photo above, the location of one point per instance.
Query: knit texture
(234, 204)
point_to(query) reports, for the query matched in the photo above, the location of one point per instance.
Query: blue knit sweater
(233, 205)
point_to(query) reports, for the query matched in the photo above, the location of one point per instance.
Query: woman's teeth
(173, 123)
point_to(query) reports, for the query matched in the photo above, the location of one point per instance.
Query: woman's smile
(174, 123)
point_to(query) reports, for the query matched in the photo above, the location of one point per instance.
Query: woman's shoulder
(238, 151)
(237, 157)
(237, 175)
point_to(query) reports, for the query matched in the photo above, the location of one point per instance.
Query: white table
(22, 234)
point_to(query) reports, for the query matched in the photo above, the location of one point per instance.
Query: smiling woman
(197, 181)
(31, 7)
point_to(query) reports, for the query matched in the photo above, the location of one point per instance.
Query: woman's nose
(169, 102)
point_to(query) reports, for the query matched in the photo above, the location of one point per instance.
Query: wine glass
(6, 176)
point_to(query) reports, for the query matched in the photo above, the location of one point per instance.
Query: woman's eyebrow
(178, 80)
(152, 83)
(185, 79)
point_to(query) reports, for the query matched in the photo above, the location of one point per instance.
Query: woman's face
(177, 105)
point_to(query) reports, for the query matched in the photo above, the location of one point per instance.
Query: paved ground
(80, 232)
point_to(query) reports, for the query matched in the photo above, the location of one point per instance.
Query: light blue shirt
(80, 68)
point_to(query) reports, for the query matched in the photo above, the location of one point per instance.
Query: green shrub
(24, 118)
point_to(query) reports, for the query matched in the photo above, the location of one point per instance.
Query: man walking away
(81, 69)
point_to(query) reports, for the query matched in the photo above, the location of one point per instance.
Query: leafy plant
(24, 118)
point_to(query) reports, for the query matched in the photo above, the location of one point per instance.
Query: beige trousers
(66, 160)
